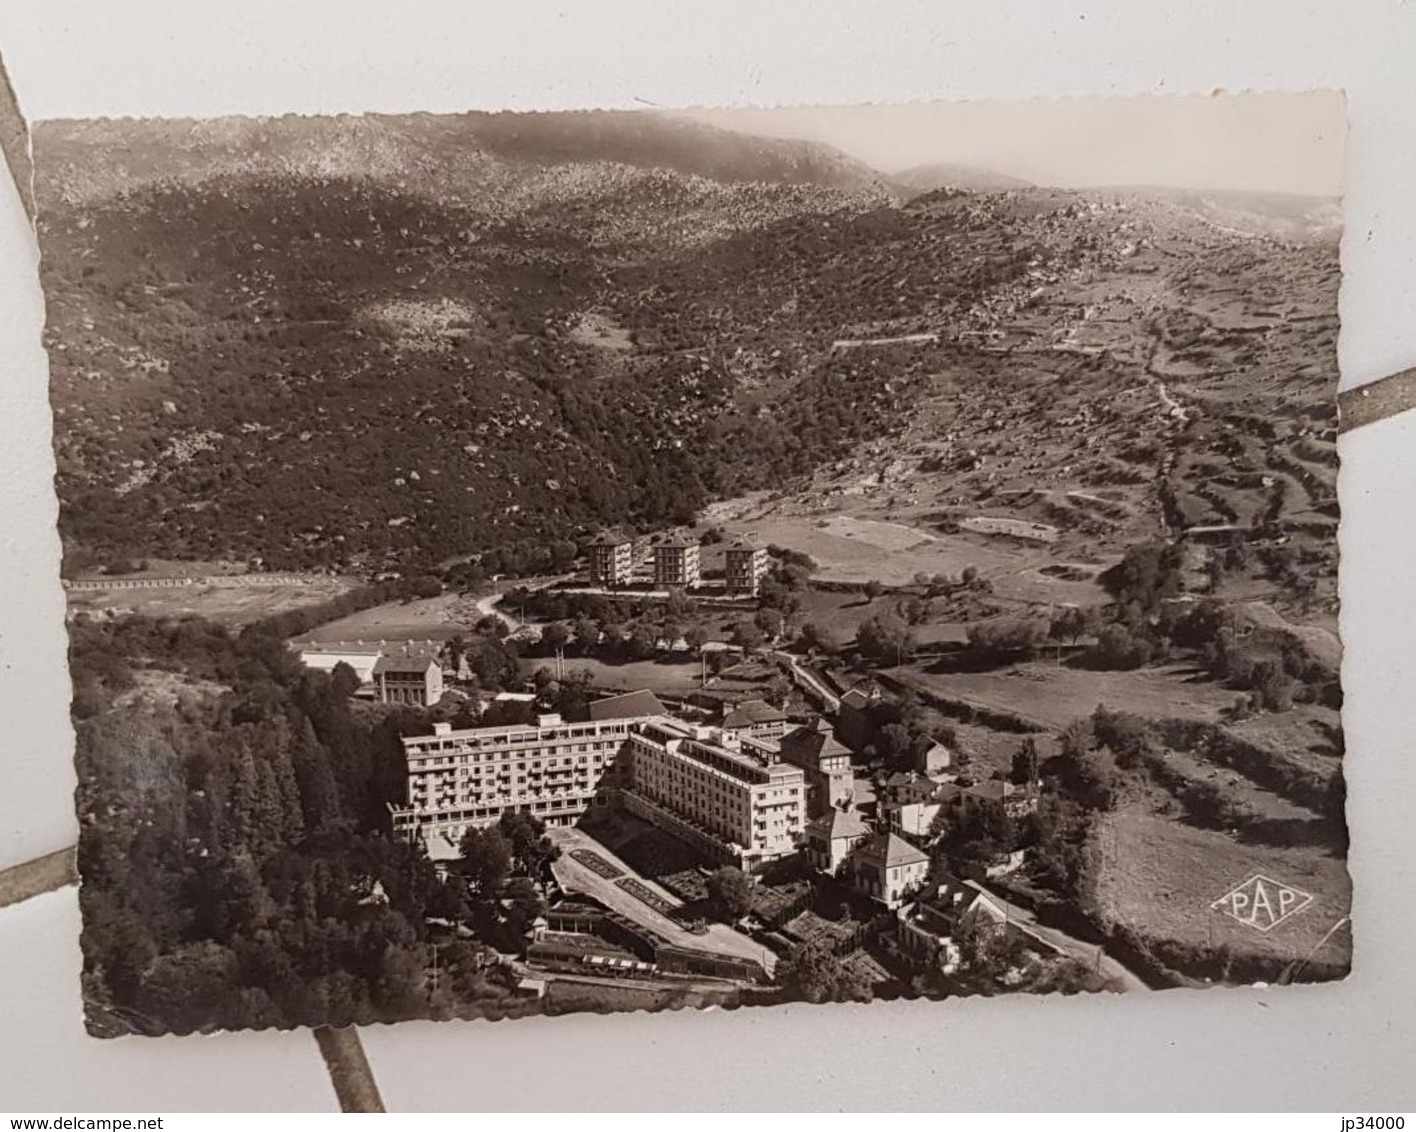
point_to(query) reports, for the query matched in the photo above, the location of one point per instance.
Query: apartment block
(744, 566)
(676, 563)
(611, 558)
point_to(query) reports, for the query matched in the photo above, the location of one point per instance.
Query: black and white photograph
(624, 560)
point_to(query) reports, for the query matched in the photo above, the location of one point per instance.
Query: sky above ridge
(1290, 143)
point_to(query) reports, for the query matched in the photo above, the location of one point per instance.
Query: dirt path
(1088, 953)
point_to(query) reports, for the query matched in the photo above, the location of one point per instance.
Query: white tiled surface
(1344, 1046)
(47, 1060)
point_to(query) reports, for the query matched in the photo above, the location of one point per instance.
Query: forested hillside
(372, 343)
(235, 851)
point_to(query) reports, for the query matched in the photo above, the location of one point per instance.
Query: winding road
(810, 682)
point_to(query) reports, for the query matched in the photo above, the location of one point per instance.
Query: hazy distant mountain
(943, 175)
(1278, 216)
(446, 153)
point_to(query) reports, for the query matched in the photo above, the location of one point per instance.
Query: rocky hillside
(372, 342)
(470, 158)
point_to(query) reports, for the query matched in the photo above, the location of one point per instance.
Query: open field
(1158, 878)
(434, 618)
(225, 604)
(853, 549)
(1238, 789)
(991, 751)
(1053, 696)
(842, 614)
(668, 678)
(1303, 735)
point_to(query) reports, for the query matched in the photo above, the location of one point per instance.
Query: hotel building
(731, 798)
(461, 780)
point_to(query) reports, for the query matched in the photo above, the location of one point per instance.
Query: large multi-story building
(731, 798)
(676, 562)
(466, 779)
(611, 559)
(744, 566)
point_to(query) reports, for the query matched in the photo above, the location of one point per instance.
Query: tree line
(235, 849)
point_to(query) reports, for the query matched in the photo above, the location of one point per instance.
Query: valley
(529, 412)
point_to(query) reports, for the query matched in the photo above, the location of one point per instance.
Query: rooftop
(816, 741)
(838, 823)
(479, 735)
(887, 850)
(995, 789)
(627, 705)
(949, 898)
(706, 745)
(750, 712)
(404, 664)
(857, 698)
(922, 790)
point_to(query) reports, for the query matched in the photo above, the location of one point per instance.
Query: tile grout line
(44, 874)
(349, 1070)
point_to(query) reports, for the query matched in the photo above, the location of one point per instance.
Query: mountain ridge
(331, 369)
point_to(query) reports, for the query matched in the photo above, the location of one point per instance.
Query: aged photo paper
(622, 560)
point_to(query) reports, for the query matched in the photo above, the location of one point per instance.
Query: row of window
(494, 813)
(506, 766)
(497, 757)
(474, 741)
